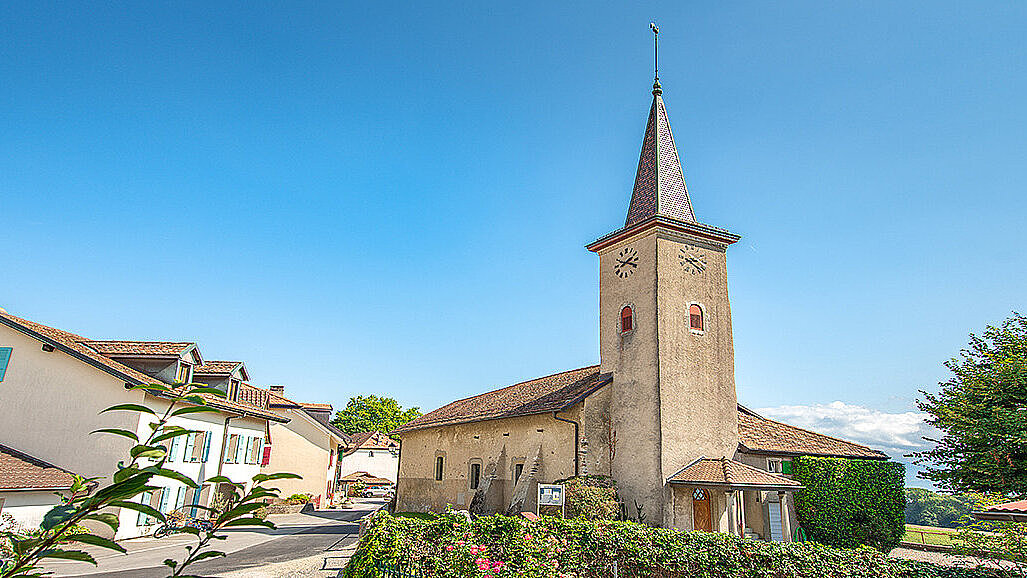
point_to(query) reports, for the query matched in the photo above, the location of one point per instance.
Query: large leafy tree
(981, 412)
(373, 413)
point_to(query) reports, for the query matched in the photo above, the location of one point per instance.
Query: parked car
(378, 492)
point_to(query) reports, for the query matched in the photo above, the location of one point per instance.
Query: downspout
(576, 426)
(399, 468)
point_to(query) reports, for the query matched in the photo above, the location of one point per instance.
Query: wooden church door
(701, 519)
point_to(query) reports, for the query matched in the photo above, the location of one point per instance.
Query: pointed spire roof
(659, 182)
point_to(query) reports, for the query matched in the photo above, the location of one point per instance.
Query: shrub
(503, 547)
(299, 498)
(591, 497)
(849, 503)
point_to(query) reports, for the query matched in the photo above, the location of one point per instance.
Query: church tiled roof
(659, 182)
(543, 395)
(725, 472)
(759, 434)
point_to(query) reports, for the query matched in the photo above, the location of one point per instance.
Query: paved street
(317, 537)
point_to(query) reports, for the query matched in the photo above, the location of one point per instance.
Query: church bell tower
(665, 329)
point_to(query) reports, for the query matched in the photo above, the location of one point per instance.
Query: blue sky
(357, 199)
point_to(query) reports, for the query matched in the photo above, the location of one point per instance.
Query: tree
(981, 412)
(373, 413)
(927, 508)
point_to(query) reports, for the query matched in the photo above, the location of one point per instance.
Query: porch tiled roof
(364, 477)
(761, 435)
(76, 346)
(726, 472)
(156, 348)
(543, 395)
(20, 471)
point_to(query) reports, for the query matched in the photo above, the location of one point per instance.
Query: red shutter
(266, 458)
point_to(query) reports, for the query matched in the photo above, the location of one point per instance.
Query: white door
(774, 512)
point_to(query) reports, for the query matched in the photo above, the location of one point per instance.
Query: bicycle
(178, 521)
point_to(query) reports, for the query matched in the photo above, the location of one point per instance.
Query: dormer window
(627, 319)
(695, 317)
(185, 373)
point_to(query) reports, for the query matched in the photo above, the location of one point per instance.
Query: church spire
(659, 182)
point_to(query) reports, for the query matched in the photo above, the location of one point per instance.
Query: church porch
(723, 495)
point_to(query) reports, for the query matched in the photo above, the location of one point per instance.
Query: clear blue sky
(357, 199)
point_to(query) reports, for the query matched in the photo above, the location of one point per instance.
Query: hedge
(849, 503)
(504, 547)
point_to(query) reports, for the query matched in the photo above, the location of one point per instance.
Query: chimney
(278, 389)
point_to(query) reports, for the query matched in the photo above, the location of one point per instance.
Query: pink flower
(449, 548)
(483, 564)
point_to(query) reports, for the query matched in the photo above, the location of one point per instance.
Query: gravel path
(941, 558)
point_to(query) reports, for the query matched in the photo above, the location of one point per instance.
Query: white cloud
(895, 433)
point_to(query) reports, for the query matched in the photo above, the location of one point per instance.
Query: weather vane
(656, 57)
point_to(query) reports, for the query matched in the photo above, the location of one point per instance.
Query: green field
(929, 535)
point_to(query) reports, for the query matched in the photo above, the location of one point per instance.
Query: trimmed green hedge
(505, 547)
(850, 503)
(591, 497)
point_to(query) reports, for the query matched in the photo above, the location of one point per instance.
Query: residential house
(659, 413)
(373, 453)
(56, 383)
(307, 444)
(29, 487)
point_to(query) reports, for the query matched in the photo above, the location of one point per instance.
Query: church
(658, 414)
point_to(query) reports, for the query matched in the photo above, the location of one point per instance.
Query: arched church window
(627, 321)
(695, 320)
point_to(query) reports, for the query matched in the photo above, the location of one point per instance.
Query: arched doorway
(701, 519)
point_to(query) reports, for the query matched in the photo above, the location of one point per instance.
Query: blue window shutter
(164, 495)
(180, 499)
(141, 517)
(206, 445)
(173, 450)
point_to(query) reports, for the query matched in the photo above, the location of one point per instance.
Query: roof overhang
(700, 230)
(767, 487)
(1000, 516)
(44, 489)
(775, 453)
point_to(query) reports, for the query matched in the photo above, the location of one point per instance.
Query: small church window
(439, 462)
(475, 476)
(627, 321)
(695, 320)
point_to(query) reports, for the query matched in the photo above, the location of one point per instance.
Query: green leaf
(173, 475)
(260, 478)
(248, 522)
(208, 554)
(67, 555)
(194, 409)
(129, 407)
(106, 518)
(242, 509)
(172, 433)
(220, 480)
(152, 387)
(143, 508)
(97, 541)
(125, 473)
(208, 391)
(118, 432)
(56, 516)
(145, 451)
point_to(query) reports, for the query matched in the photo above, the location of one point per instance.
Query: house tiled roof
(254, 395)
(371, 440)
(216, 368)
(316, 406)
(1019, 507)
(543, 395)
(157, 348)
(759, 434)
(20, 471)
(726, 472)
(75, 345)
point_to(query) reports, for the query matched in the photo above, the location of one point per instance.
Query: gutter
(576, 441)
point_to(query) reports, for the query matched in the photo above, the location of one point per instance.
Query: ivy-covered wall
(849, 503)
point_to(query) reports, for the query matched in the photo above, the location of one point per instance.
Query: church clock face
(627, 262)
(692, 260)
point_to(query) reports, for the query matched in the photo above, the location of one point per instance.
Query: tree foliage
(927, 508)
(981, 412)
(849, 503)
(373, 413)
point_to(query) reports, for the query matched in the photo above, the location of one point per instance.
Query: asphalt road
(298, 536)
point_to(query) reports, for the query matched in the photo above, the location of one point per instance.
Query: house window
(627, 320)
(695, 320)
(439, 463)
(779, 466)
(184, 373)
(475, 476)
(370, 454)
(518, 470)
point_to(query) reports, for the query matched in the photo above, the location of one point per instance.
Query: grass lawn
(929, 535)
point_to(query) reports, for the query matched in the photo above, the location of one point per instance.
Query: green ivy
(850, 503)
